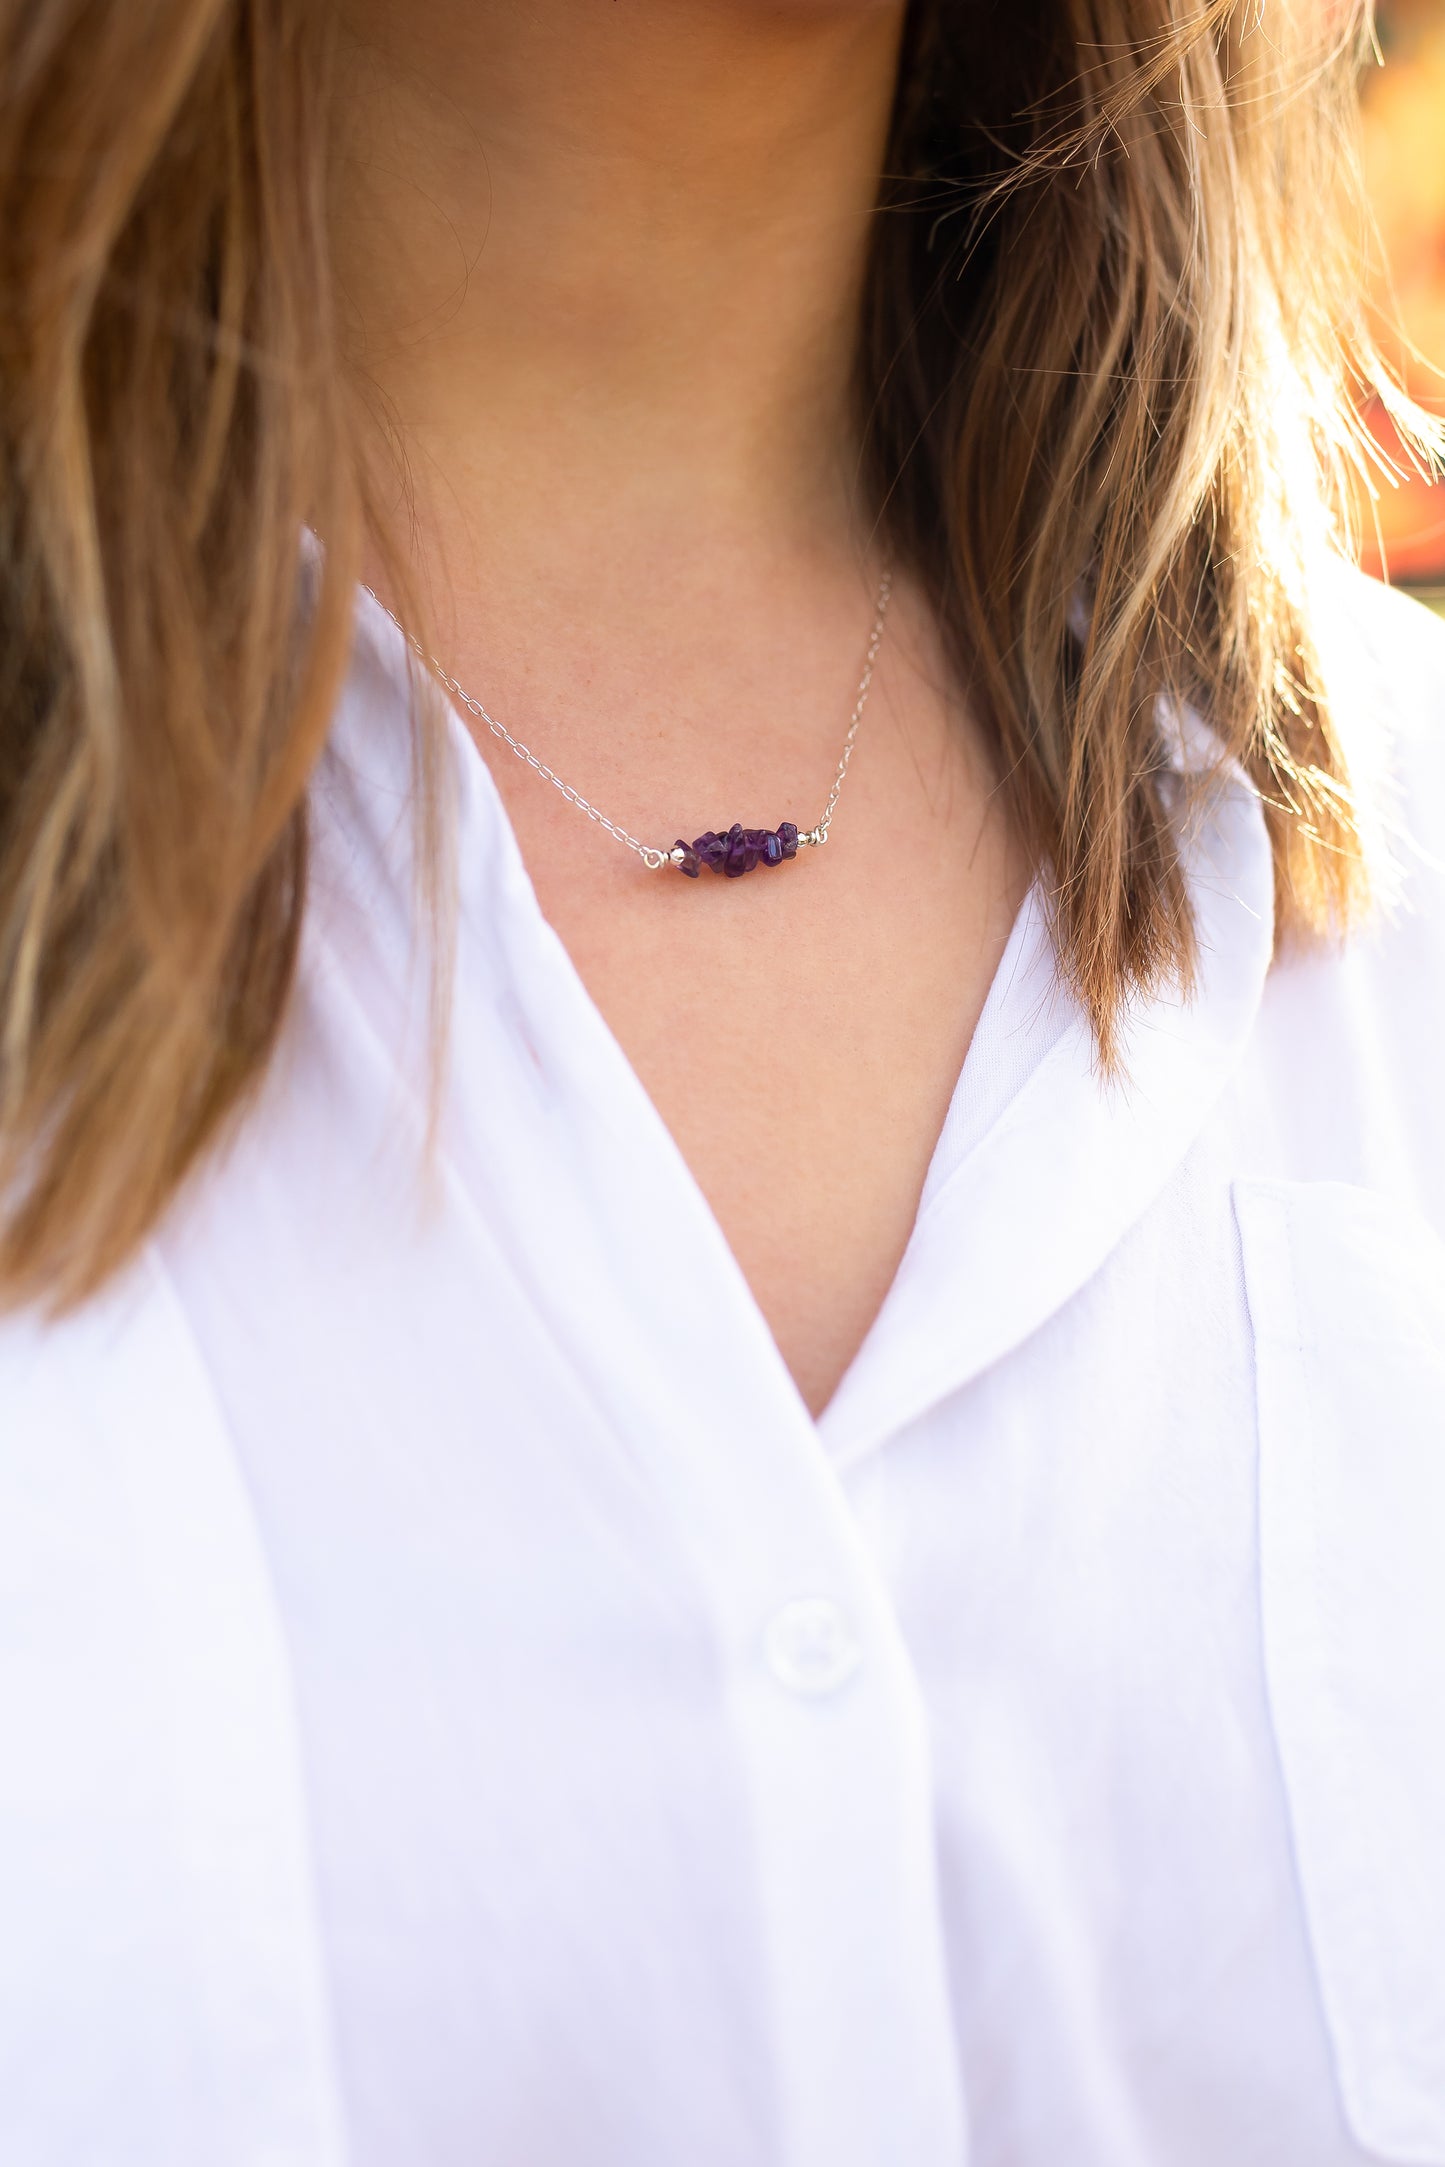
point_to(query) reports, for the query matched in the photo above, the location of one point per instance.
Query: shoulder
(1351, 1034)
(107, 1373)
(1397, 639)
(1384, 654)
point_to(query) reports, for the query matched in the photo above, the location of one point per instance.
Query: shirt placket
(818, 1687)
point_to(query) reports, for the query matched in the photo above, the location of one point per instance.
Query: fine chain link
(651, 856)
(819, 833)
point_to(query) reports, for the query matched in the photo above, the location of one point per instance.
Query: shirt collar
(1042, 1165)
(1036, 1184)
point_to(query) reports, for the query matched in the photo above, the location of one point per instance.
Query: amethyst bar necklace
(732, 850)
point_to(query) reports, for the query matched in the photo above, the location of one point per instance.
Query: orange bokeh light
(1404, 528)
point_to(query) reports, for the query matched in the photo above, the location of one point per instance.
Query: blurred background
(1405, 168)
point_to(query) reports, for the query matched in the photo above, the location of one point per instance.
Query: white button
(810, 1646)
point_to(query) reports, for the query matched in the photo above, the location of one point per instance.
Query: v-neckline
(1029, 1071)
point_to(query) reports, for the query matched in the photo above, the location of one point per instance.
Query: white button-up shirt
(456, 1706)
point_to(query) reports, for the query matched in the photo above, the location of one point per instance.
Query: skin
(603, 258)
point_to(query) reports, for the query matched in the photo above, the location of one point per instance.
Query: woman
(775, 1496)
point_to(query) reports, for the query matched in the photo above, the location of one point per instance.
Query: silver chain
(819, 833)
(651, 856)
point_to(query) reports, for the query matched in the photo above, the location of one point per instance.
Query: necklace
(732, 850)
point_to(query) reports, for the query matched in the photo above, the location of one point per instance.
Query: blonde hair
(1113, 319)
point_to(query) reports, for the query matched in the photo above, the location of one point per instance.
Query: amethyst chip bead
(742, 851)
(736, 850)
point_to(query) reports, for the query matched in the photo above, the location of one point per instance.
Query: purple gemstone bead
(688, 863)
(736, 850)
(741, 857)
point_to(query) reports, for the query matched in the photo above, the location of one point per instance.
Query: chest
(801, 1030)
(438, 1621)
(754, 1798)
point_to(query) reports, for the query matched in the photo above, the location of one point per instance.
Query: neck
(606, 259)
